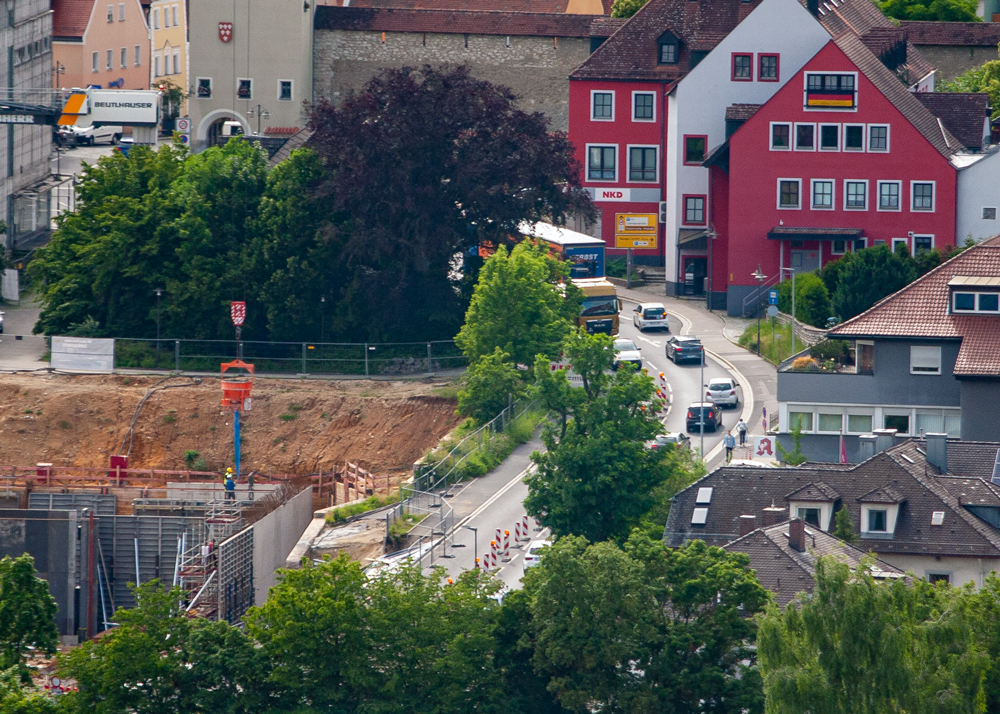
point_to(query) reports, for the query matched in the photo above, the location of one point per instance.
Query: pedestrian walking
(741, 429)
(730, 443)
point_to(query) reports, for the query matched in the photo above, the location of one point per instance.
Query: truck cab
(600, 306)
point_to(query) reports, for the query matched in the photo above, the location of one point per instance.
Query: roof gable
(882, 494)
(814, 491)
(70, 18)
(965, 115)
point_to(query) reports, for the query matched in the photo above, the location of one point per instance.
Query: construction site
(111, 481)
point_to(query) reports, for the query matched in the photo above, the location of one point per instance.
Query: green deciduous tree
(27, 612)
(812, 299)
(844, 528)
(519, 306)
(490, 383)
(626, 8)
(17, 697)
(985, 78)
(159, 661)
(646, 629)
(865, 646)
(940, 10)
(597, 478)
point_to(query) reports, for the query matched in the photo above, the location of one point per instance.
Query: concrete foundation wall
(535, 68)
(50, 538)
(274, 537)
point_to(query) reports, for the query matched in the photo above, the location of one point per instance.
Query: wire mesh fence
(360, 358)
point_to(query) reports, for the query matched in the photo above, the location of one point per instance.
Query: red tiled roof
(964, 34)
(921, 310)
(741, 112)
(548, 6)
(963, 114)
(71, 17)
(531, 24)
(893, 90)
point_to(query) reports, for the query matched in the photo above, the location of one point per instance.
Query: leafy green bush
(491, 383)
(341, 514)
(773, 347)
(830, 349)
(812, 299)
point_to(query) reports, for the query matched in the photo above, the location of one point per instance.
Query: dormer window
(975, 294)
(668, 48)
(814, 503)
(880, 511)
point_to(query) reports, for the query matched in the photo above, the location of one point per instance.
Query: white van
(90, 135)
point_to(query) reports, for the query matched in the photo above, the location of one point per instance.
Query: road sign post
(238, 312)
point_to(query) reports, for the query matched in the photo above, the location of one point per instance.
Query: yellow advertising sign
(635, 230)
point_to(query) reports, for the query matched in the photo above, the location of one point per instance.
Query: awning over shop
(793, 233)
(692, 238)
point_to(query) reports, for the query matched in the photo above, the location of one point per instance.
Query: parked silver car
(724, 391)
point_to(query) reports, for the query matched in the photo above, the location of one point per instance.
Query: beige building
(100, 43)
(251, 61)
(168, 28)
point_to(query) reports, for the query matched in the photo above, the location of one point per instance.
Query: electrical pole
(159, 292)
(702, 409)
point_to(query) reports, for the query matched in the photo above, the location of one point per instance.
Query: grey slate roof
(814, 491)
(920, 488)
(786, 572)
(962, 113)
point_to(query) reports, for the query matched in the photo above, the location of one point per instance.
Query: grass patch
(402, 526)
(447, 391)
(170, 417)
(774, 347)
(295, 408)
(480, 461)
(288, 417)
(342, 513)
(64, 425)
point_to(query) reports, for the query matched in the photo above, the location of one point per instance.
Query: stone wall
(952, 61)
(535, 68)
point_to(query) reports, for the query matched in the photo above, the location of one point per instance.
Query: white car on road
(627, 352)
(724, 391)
(91, 134)
(533, 554)
(650, 315)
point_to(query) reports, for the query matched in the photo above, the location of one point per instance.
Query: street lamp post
(159, 292)
(793, 304)
(760, 278)
(475, 543)
(260, 113)
(702, 409)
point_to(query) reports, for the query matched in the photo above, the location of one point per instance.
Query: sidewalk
(718, 333)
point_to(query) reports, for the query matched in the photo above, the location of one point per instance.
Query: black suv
(684, 347)
(708, 413)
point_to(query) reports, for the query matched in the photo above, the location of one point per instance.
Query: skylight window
(699, 516)
(937, 518)
(704, 495)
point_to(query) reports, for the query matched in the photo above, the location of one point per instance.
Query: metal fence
(357, 358)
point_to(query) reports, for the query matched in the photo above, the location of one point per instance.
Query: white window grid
(888, 136)
(645, 94)
(819, 138)
(899, 196)
(628, 153)
(121, 12)
(617, 163)
(778, 197)
(864, 137)
(795, 136)
(913, 196)
(593, 95)
(291, 90)
(770, 137)
(849, 185)
(833, 194)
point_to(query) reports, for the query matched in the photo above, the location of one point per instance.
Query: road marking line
(650, 342)
(492, 499)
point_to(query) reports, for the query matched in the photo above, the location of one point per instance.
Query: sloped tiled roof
(963, 114)
(549, 6)
(531, 24)
(962, 34)
(631, 52)
(741, 112)
(974, 459)
(882, 494)
(741, 491)
(921, 309)
(70, 17)
(972, 491)
(893, 90)
(787, 572)
(814, 491)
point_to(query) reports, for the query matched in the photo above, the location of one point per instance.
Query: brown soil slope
(82, 420)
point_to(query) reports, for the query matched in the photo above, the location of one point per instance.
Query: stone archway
(211, 124)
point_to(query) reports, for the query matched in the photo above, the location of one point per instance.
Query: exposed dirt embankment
(294, 426)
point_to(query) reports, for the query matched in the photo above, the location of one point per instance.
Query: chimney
(797, 535)
(813, 7)
(773, 515)
(937, 451)
(866, 446)
(748, 524)
(885, 439)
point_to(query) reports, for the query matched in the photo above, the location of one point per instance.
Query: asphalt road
(683, 379)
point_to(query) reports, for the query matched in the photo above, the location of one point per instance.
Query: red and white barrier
(524, 527)
(506, 546)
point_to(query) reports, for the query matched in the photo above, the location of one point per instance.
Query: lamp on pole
(475, 543)
(760, 278)
(260, 114)
(701, 410)
(322, 318)
(159, 292)
(710, 236)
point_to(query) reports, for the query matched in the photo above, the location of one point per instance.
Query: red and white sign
(183, 125)
(238, 311)
(225, 31)
(619, 195)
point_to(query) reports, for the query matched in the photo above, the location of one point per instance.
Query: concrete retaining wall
(274, 537)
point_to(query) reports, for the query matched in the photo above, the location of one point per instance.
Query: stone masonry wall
(535, 68)
(952, 61)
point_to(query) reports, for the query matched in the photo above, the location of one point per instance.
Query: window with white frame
(989, 213)
(855, 195)
(800, 420)
(166, 17)
(831, 91)
(939, 421)
(177, 61)
(922, 195)
(900, 421)
(95, 61)
(109, 59)
(601, 163)
(174, 11)
(111, 13)
(888, 195)
(789, 191)
(829, 422)
(157, 64)
(975, 302)
(877, 520)
(829, 137)
(805, 137)
(203, 87)
(925, 359)
(922, 244)
(642, 163)
(781, 134)
(156, 18)
(898, 243)
(167, 62)
(859, 423)
(822, 194)
(138, 55)
(244, 89)
(602, 106)
(642, 106)
(878, 137)
(694, 210)
(854, 137)
(124, 57)
(121, 12)
(285, 90)
(838, 247)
